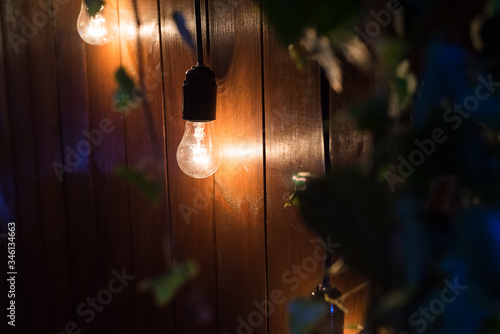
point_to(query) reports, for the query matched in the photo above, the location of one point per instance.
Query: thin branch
(146, 106)
(339, 302)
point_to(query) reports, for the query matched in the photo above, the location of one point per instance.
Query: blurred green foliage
(138, 179)
(124, 95)
(165, 286)
(289, 17)
(304, 314)
(424, 211)
(94, 6)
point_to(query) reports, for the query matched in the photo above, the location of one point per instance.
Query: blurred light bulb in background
(98, 29)
(199, 154)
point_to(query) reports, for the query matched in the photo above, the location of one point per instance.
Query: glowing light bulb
(98, 29)
(199, 155)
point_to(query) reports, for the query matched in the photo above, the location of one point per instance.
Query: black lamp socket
(200, 95)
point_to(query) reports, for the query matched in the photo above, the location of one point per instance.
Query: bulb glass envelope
(199, 154)
(98, 29)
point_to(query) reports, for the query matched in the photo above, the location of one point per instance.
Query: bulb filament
(96, 28)
(200, 155)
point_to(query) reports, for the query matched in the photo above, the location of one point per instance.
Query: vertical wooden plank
(31, 279)
(235, 45)
(7, 186)
(191, 200)
(145, 148)
(350, 147)
(7, 201)
(111, 192)
(356, 304)
(43, 88)
(294, 143)
(83, 242)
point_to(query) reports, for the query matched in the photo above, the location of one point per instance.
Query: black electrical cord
(199, 38)
(325, 113)
(200, 88)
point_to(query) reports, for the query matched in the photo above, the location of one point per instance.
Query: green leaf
(371, 115)
(150, 189)
(124, 94)
(405, 84)
(305, 314)
(292, 201)
(355, 211)
(290, 17)
(94, 6)
(392, 53)
(296, 58)
(124, 81)
(167, 284)
(494, 6)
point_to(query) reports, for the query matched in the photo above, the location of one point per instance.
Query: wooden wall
(77, 231)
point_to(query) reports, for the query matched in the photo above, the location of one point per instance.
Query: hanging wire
(199, 38)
